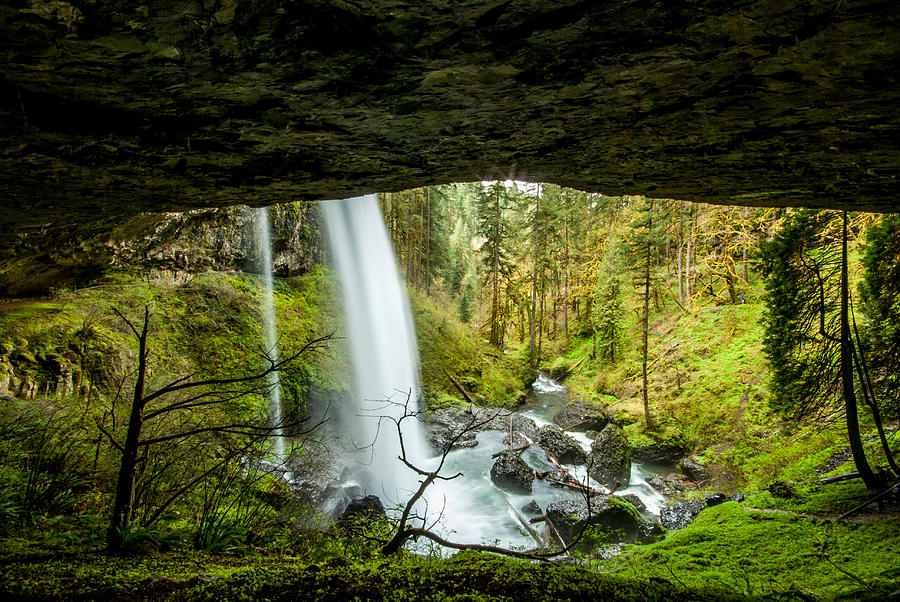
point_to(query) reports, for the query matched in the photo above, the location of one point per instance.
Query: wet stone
(510, 472)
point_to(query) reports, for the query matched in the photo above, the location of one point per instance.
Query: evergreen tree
(880, 295)
(492, 204)
(646, 237)
(807, 327)
(607, 308)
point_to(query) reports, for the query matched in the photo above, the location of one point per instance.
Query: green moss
(467, 576)
(447, 345)
(765, 553)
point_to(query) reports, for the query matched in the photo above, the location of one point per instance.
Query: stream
(476, 511)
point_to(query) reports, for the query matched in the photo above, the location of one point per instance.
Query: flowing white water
(270, 330)
(383, 349)
(474, 510)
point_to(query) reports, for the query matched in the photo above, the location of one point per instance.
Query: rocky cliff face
(115, 108)
(167, 245)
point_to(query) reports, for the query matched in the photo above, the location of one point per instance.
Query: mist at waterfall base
(383, 351)
(263, 255)
(384, 355)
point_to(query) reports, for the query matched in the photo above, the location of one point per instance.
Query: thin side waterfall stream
(269, 327)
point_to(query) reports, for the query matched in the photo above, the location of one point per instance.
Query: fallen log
(553, 530)
(459, 387)
(522, 447)
(550, 526)
(867, 502)
(574, 425)
(527, 524)
(577, 487)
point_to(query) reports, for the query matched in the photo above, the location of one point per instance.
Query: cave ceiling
(111, 108)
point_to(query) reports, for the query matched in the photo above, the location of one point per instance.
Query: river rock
(443, 425)
(619, 521)
(693, 470)
(363, 509)
(649, 532)
(669, 485)
(510, 472)
(560, 445)
(680, 514)
(586, 415)
(634, 500)
(666, 454)
(496, 419)
(532, 508)
(610, 458)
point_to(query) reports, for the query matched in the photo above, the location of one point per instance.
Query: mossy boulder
(582, 416)
(610, 457)
(608, 520)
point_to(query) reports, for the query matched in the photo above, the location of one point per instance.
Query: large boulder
(584, 414)
(634, 500)
(669, 485)
(667, 454)
(693, 470)
(610, 458)
(616, 520)
(362, 509)
(680, 514)
(442, 428)
(560, 445)
(510, 472)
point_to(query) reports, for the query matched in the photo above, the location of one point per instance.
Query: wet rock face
(560, 445)
(693, 470)
(586, 415)
(512, 473)
(610, 458)
(171, 246)
(114, 108)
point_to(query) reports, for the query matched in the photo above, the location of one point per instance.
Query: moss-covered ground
(467, 576)
(761, 552)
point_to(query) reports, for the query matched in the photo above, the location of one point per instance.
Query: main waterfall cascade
(263, 246)
(385, 360)
(383, 349)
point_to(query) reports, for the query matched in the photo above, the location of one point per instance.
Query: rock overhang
(116, 108)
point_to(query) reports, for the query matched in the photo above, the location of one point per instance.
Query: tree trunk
(495, 278)
(541, 317)
(534, 278)
(645, 323)
(124, 500)
(566, 286)
(678, 256)
(687, 264)
(853, 434)
(428, 242)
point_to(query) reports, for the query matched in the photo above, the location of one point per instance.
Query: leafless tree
(179, 395)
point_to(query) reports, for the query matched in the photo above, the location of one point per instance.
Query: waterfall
(270, 330)
(383, 348)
